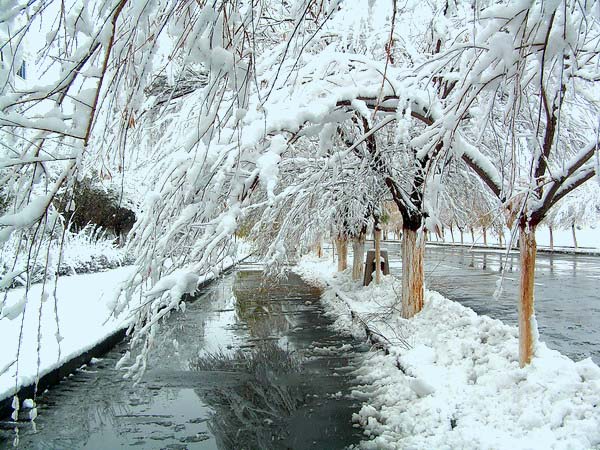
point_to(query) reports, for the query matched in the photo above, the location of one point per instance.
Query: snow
(27, 215)
(83, 321)
(178, 284)
(85, 318)
(452, 379)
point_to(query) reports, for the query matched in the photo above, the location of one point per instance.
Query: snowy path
(458, 383)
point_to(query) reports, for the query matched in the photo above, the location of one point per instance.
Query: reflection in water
(244, 367)
(250, 414)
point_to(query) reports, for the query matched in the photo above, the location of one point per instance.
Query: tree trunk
(551, 237)
(342, 250)
(484, 236)
(574, 235)
(377, 235)
(413, 248)
(358, 249)
(472, 236)
(500, 238)
(319, 248)
(333, 250)
(452, 233)
(527, 247)
(462, 236)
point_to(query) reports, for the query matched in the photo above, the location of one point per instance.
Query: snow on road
(452, 378)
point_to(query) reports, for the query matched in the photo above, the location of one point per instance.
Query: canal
(251, 364)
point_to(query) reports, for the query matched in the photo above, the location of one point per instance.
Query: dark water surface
(567, 291)
(250, 365)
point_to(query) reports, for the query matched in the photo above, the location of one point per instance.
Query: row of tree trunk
(413, 249)
(358, 249)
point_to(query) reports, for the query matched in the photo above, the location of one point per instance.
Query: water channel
(251, 364)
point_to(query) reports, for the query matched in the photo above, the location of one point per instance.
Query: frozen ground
(452, 380)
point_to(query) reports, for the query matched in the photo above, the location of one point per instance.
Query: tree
(526, 87)
(259, 112)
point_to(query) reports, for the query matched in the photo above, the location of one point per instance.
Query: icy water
(567, 291)
(252, 364)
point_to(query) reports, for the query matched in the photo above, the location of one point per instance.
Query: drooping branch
(469, 153)
(577, 172)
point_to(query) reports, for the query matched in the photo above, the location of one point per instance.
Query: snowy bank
(45, 338)
(81, 320)
(452, 378)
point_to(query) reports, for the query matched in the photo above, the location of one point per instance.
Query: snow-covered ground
(90, 250)
(452, 378)
(83, 321)
(44, 338)
(587, 237)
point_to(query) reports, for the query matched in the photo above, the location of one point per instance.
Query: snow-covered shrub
(89, 250)
(102, 206)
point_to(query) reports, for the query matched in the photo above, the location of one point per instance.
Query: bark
(413, 247)
(472, 235)
(574, 235)
(377, 236)
(319, 249)
(527, 246)
(462, 236)
(551, 237)
(333, 249)
(342, 250)
(485, 236)
(358, 249)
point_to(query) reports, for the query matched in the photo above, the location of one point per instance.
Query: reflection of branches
(246, 413)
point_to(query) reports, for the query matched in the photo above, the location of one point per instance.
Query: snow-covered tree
(295, 118)
(526, 86)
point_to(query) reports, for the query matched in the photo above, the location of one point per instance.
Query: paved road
(567, 291)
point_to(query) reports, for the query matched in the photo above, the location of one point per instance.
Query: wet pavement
(567, 291)
(251, 364)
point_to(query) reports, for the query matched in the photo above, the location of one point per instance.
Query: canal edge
(55, 376)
